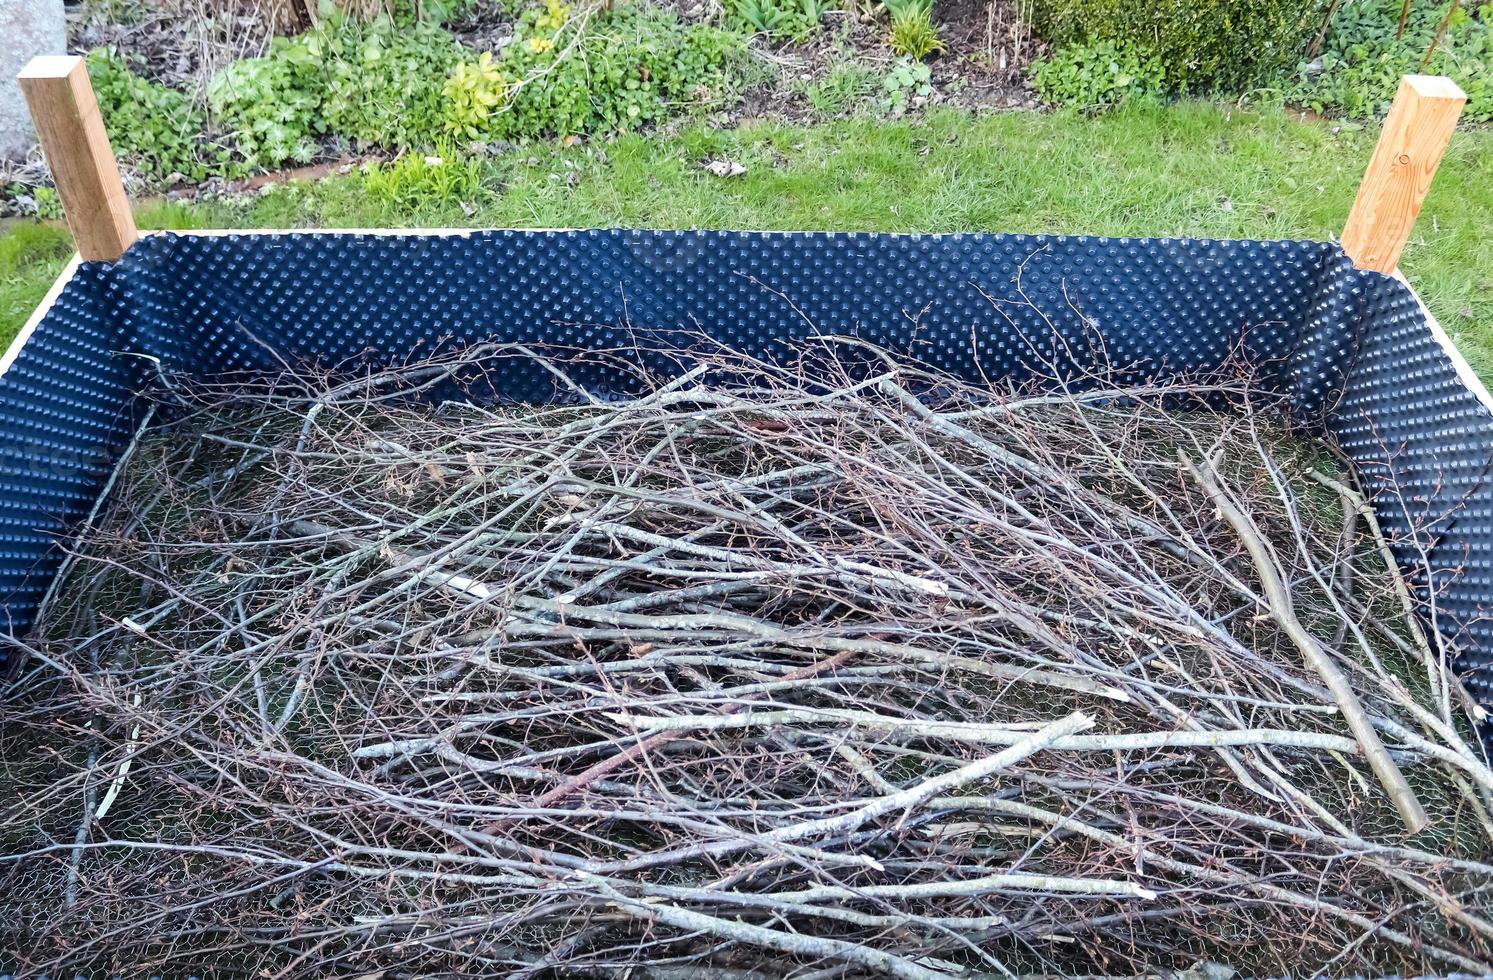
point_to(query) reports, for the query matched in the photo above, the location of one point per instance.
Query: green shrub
(270, 107)
(562, 75)
(1203, 45)
(383, 83)
(30, 200)
(437, 12)
(48, 204)
(1361, 64)
(154, 130)
(1098, 76)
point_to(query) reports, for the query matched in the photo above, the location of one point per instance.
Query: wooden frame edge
(385, 232)
(1465, 372)
(452, 232)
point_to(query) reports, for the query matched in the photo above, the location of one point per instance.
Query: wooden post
(1415, 135)
(77, 149)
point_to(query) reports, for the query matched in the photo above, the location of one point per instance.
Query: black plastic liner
(1352, 351)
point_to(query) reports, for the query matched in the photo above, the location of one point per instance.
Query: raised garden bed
(1344, 345)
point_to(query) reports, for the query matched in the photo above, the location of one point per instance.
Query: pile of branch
(838, 668)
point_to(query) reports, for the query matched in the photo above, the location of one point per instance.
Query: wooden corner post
(77, 150)
(1415, 135)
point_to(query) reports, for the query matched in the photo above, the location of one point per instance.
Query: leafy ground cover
(1188, 169)
(195, 97)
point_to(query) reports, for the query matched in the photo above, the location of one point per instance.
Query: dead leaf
(725, 168)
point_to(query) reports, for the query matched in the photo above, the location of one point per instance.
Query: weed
(615, 72)
(1096, 77)
(475, 90)
(840, 91)
(1203, 45)
(907, 86)
(446, 175)
(155, 130)
(781, 18)
(271, 105)
(1365, 55)
(383, 84)
(48, 204)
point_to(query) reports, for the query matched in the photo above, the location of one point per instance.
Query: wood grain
(77, 150)
(1415, 135)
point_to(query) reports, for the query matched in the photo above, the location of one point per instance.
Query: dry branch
(828, 664)
(1278, 601)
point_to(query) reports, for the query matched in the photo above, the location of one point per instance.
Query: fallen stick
(905, 800)
(583, 779)
(979, 734)
(972, 886)
(815, 947)
(1280, 607)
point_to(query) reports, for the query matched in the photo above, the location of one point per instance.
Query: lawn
(1184, 170)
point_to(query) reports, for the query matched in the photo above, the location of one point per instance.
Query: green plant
(383, 83)
(34, 201)
(475, 90)
(1099, 76)
(814, 10)
(907, 85)
(413, 179)
(1203, 45)
(48, 204)
(155, 130)
(271, 106)
(913, 33)
(438, 12)
(780, 18)
(895, 8)
(125, 12)
(566, 75)
(1365, 55)
(762, 16)
(839, 91)
(378, 83)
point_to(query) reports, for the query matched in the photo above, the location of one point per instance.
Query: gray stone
(27, 28)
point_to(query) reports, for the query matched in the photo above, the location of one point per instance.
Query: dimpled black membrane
(1351, 350)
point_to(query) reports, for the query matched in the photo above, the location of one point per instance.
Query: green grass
(31, 256)
(1187, 170)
